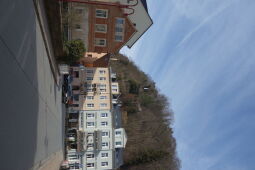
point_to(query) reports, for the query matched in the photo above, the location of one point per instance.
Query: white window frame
(90, 165)
(104, 115)
(104, 155)
(105, 134)
(118, 143)
(121, 34)
(92, 124)
(102, 71)
(105, 144)
(104, 10)
(101, 25)
(90, 155)
(102, 78)
(90, 115)
(89, 78)
(103, 104)
(123, 19)
(103, 97)
(102, 90)
(119, 40)
(118, 132)
(104, 123)
(89, 71)
(115, 90)
(90, 105)
(98, 40)
(104, 164)
(90, 97)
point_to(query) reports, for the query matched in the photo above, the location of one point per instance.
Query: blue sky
(201, 54)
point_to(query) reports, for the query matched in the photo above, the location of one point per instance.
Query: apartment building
(99, 141)
(91, 88)
(138, 14)
(102, 28)
(105, 26)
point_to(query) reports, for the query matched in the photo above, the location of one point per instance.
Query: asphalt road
(31, 123)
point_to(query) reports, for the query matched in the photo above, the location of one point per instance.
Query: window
(76, 97)
(114, 86)
(101, 28)
(90, 165)
(90, 105)
(120, 20)
(103, 97)
(105, 134)
(104, 155)
(88, 87)
(76, 74)
(89, 78)
(104, 144)
(102, 78)
(90, 97)
(102, 71)
(77, 26)
(118, 143)
(89, 90)
(104, 115)
(90, 134)
(115, 90)
(104, 163)
(75, 87)
(104, 123)
(103, 104)
(89, 71)
(90, 124)
(90, 155)
(102, 86)
(89, 115)
(79, 11)
(90, 145)
(119, 29)
(118, 133)
(118, 38)
(74, 105)
(102, 90)
(100, 42)
(101, 13)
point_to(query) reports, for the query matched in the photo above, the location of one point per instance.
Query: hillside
(147, 119)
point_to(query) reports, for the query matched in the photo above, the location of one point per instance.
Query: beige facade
(91, 88)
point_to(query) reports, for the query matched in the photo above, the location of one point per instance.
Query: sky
(201, 54)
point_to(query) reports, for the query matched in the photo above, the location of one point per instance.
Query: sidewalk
(52, 163)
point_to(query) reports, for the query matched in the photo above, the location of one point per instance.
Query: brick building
(103, 29)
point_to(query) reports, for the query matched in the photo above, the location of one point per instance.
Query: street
(32, 116)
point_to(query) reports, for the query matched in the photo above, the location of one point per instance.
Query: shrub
(74, 49)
